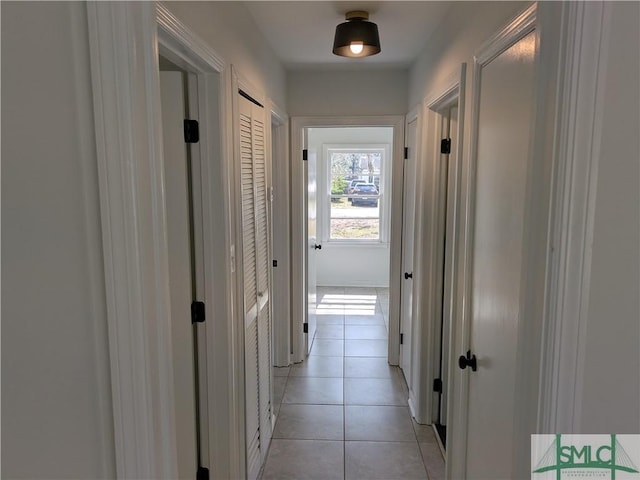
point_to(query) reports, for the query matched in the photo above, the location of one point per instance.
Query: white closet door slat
(248, 208)
(262, 260)
(253, 417)
(255, 255)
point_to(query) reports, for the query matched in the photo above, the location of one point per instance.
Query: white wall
(351, 265)
(464, 29)
(611, 377)
(229, 29)
(348, 93)
(56, 409)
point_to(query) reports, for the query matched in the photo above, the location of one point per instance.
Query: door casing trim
(125, 39)
(427, 257)
(278, 140)
(573, 195)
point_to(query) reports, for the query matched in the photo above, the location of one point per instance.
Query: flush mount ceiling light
(357, 37)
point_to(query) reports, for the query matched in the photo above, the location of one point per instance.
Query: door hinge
(437, 385)
(191, 131)
(305, 328)
(406, 153)
(202, 473)
(197, 312)
(445, 145)
(305, 154)
(275, 263)
(401, 338)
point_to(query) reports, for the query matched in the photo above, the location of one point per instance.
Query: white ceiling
(301, 32)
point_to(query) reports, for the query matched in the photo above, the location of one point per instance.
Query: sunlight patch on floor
(332, 304)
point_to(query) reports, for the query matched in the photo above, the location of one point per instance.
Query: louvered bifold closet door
(262, 260)
(255, 247)
(252, 399)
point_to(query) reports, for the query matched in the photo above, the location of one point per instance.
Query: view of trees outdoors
(355, 194)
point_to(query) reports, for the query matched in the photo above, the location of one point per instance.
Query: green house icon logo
(584, 459)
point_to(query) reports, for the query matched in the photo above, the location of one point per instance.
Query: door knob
(317, 247)
(407, 276)
(468, 361)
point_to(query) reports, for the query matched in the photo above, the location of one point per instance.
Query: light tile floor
(342, 413)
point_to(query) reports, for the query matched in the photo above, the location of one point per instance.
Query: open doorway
(350, 267)
(347, 187)
(448, 133)
(179, 101)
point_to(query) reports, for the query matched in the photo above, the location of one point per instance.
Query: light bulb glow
(356, 47)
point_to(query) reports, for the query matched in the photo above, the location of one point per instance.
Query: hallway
(342, 413)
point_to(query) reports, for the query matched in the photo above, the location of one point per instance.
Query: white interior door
(505, 106)
(252, 398)
(449, 277)
(408, 222)
(197, 264)
(180, 268)
(313, 245)
(257, 292)
(263, 279)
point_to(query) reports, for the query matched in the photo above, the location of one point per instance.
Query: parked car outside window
(352, 185)
(365, 194)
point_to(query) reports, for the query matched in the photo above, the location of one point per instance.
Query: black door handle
(407, 276)
(468, 361)
(317, 247)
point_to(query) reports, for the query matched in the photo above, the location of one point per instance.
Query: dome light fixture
(357, 37)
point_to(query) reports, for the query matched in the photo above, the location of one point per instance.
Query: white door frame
(575, 176)
(298, 224)
(125, 39)
(445, 213)
(428, 235)
(278, 140)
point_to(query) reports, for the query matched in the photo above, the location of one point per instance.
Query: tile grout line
(344, 404)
